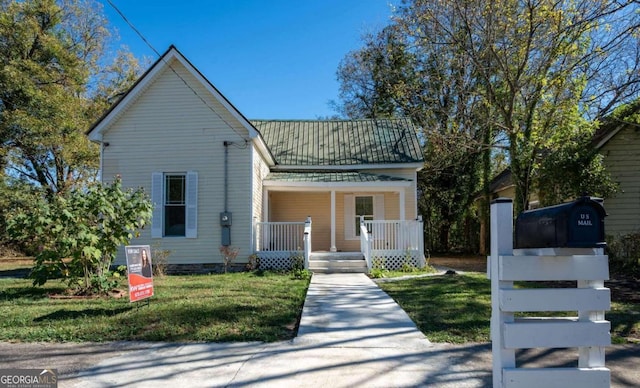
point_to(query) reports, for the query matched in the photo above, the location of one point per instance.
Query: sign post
(139, 272)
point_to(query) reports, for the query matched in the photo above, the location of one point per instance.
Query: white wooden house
(174, 134)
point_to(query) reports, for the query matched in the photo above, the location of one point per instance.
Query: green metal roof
(330, 177)
(341, 142)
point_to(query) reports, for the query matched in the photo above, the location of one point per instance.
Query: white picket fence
(588, 331)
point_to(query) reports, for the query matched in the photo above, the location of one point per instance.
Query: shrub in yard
(297, 266)
(377, 268)
(253, 263)
(624, 253)
(229, 254)
(76, 234)
(160, 260)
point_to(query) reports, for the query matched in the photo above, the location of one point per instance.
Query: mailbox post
(558, 243)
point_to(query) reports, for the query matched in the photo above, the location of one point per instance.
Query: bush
(160, 258)
(377, 268)
(76, 234)
(297, 266)
(228, 254)
(624, 253)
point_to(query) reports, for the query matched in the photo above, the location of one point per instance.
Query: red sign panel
(139, 272)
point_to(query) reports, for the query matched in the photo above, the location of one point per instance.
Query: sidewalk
(351, 335)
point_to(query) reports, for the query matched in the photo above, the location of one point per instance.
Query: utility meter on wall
(225, 219)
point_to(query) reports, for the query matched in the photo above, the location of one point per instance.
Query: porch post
(333, 221)
(402, 206)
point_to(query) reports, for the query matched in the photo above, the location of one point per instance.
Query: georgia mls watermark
(28, 378)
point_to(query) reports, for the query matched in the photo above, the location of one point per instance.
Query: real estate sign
(139, 272)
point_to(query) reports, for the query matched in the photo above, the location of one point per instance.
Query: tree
(76, 233)
(54, 82)
(395, 74)
(525, 75)
(536, 62)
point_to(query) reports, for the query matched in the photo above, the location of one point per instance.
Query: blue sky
(273, 59)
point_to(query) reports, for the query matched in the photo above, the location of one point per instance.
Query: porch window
(363, 207)
(175, 198)
(371, 206)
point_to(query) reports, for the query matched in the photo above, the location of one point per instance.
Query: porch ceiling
(332, 177)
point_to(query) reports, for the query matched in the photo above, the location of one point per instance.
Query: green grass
(457, 309)
(454, 309)
(229, 307)
(377, 273)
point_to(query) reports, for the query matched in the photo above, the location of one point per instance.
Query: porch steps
(337, 262)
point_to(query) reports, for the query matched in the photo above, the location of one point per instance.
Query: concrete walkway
(350, 310)
(351, 335)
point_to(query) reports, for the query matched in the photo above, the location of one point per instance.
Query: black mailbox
(577, 224)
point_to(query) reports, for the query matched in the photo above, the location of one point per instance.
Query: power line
(126, 20)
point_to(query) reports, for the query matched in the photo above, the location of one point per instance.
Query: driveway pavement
(351, 334)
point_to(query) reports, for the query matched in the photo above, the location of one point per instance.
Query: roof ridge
(329, 121)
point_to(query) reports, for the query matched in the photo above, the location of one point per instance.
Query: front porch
(388, 243)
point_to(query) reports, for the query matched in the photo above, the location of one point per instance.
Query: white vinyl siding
(622, 158)
(260, 171)
(170, 129)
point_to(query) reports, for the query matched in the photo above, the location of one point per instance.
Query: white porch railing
(365, 243)
(393, 242)
(279, 236)
(307, 242)
(278, 242)
(396, 242)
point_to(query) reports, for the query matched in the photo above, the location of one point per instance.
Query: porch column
(333, 221)
(401, 195)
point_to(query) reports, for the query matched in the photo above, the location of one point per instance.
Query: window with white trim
(174, 205)
(174, 197)
(363, 208)
(371, 206)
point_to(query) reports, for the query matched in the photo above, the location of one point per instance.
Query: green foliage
(378, 269)
(297, 266)
(624, 253)
(572, 169)
(76, 234)
(57, 76)
(14, 194)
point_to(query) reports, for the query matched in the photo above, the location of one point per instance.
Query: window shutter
(191, 230)
(349, 217)
(378, 207)
(158, 204)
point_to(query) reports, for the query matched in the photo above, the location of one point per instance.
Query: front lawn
(229, 307)
(457, 308)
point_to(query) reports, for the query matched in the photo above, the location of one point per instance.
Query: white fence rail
(365, 243)
(307, 242)
(393, 242)
(395, 234)
(589, 331)
(279, 236)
